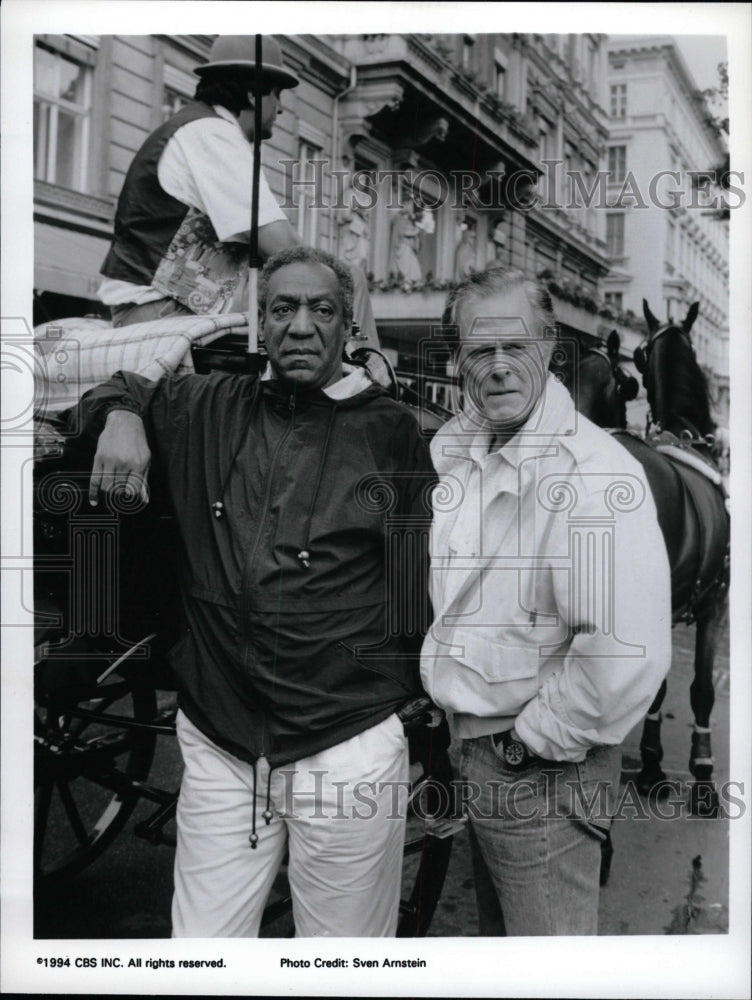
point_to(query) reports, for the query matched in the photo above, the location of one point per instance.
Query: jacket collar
(355, 380)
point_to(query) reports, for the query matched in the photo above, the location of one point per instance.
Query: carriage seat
(75, 354)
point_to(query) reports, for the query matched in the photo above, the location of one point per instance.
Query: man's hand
(122, 458)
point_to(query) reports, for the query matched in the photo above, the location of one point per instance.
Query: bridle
(642, 352)
(688, 436)
(621, 379)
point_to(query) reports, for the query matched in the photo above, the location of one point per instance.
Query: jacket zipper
(254, 547)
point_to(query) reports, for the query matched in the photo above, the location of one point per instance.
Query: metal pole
(253, 259)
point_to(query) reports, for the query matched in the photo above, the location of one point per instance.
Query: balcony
(426, 84)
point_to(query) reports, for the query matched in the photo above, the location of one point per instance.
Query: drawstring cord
(267, 814)
(253, 839)
(304, 555)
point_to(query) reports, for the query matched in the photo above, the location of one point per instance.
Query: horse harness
(642, 351)
(703, 509)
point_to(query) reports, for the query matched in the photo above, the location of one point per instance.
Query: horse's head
(676, 387)
(600, 386)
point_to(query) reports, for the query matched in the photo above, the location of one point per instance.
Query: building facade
(665, 241)
(417, 157)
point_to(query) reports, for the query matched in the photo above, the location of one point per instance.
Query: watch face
(514, 753)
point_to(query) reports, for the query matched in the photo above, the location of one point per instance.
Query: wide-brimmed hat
(239, 52)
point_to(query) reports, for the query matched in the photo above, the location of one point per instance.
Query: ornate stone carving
(367, 100)
(355, 229)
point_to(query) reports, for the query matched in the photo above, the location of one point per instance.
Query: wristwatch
(516, 755)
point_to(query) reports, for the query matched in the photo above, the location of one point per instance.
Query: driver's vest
(162, 242)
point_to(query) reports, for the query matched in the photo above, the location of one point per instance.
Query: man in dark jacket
(296, 653)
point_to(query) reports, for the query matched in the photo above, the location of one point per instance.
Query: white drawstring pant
(341, 812)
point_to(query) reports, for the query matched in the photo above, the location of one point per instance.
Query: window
(547, 139)
(531, 95)
(615, 300)
(179, 88)
(172, 102)
(617, 163)
(619, 100)
(570, 158)
(500, 75)
(670, 243)
(468, 49)
(592, 81)
(572, 55)
(590, 210)
(615, 234)
(500, 84)
(62, 111)
(308, 218)
(547, 152)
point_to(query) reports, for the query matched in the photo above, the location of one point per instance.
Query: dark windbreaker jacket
(305, 602)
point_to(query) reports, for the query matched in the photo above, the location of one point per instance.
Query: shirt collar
(543, 424)
(224, 113)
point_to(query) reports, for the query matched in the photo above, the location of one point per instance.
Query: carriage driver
(552, 602)
(293, 663)
(184, 214)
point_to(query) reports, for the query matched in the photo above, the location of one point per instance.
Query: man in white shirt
(182, 225)
(552, 601)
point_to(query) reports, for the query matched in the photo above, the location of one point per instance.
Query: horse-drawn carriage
(106, 599)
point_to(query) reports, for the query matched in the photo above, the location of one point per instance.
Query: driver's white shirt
(208, 165)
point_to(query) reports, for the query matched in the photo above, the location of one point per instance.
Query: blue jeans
(535, 836)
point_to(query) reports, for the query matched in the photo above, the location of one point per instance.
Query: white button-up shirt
(550, 583)
(208, 165)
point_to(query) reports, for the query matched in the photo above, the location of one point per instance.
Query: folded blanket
(74, 355)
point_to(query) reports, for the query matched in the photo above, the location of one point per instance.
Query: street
(668, 876)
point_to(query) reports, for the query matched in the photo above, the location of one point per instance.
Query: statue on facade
(426, 222)
(464, 255)
(355, 239)
(354, 228)
(405, 244)
(498, 241)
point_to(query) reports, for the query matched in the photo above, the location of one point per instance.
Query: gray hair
(482, 284)
(307, 255)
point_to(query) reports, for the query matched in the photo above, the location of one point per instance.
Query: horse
(599, 385)
(677, 456)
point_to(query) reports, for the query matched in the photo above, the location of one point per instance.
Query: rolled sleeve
(208, 164)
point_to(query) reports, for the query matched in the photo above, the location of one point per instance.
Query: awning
(66, 261)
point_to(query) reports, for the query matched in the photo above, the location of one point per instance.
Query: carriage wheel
(86, 754)
(426, 859)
